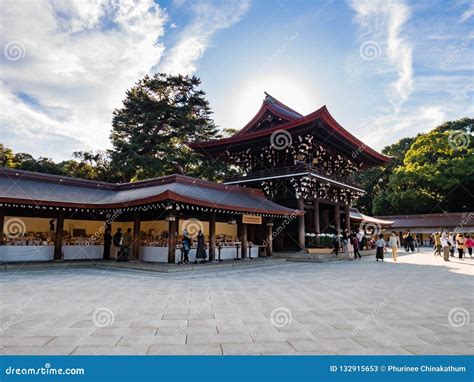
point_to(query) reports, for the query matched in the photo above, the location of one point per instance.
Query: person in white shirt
(445, 246)
(394, 243)
(452, 243)
(380, 248)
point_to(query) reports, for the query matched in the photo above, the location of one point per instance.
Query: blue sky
(385, 70)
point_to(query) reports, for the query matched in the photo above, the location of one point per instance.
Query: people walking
(437, 244)
(452, 243)
(186, 246)
(394, 243)
(380, 248)
(107, 244)
(117, 240)
(460, 244)
(410, 243)
(355, 244)
(201, 248)
(469, 244)
(445, 246)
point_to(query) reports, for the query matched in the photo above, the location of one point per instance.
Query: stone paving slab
(420, 305)
(111, 350)
(38, 350)
(188, 349)
(268, 347)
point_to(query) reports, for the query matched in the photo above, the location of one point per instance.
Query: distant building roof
(451, 220)
(25, 187)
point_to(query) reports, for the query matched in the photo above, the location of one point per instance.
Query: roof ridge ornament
(269, 98)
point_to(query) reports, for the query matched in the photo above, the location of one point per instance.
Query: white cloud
(468, 13)
(80, 58)
(391, 127)
(383, 23)
(208, 18)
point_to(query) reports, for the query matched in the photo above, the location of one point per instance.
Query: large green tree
(159, 115)
(437, 174)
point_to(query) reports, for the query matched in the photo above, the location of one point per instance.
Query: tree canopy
(159, 115)
(432, 172)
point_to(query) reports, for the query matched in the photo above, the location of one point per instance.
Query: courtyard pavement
(419, 305)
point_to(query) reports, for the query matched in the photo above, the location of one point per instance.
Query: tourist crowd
(446, 244)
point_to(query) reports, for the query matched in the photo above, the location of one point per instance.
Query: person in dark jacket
(336, 243)
(410, 245)
(201, 248)
(186, 246)
(117, 240)
(107, 244)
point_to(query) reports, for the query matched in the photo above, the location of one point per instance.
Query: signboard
(251, 219)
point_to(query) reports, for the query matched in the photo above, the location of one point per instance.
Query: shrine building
(303, 162)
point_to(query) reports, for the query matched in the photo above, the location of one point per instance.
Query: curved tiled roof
(26, 187)
(249, 133)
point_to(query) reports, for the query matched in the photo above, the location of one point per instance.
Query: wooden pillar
(348, 219)
(2, 223)
(136, 234)
(58, 242)
(324, 215)
(317, 228)
(269, 239)
(337, 218)
(172, 228)
(301, 228)
(212, 237)
(244, 247)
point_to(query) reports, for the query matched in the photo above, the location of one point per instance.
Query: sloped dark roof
(26, 187)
